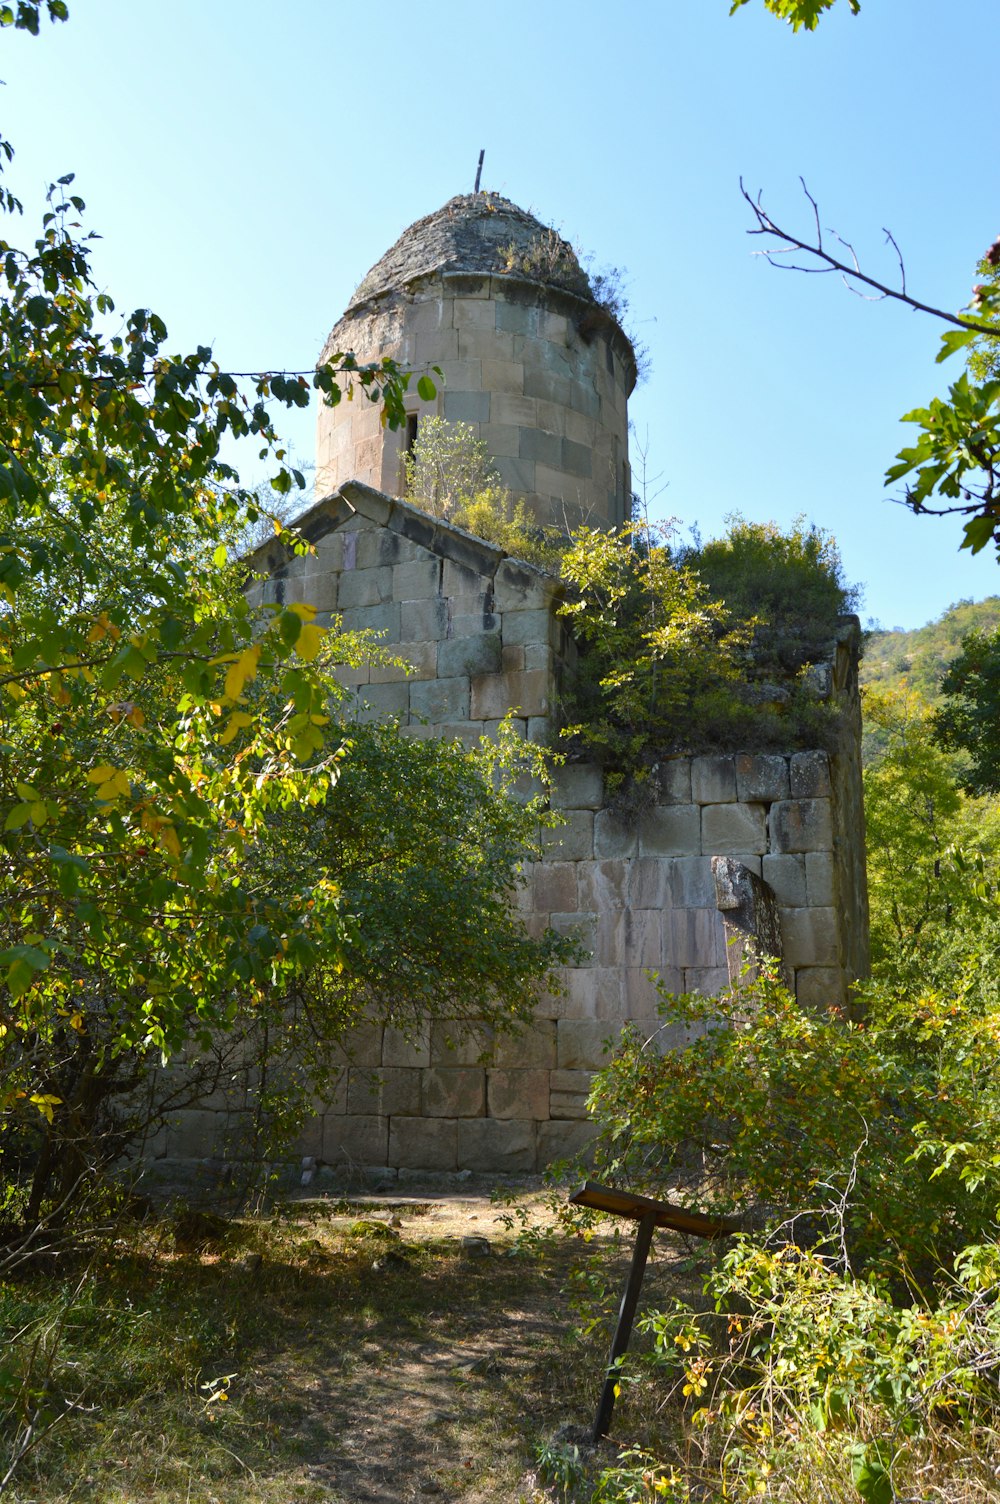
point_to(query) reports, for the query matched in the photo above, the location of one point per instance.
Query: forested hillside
(918, 659)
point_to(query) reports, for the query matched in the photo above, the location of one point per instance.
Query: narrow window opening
(411, 433)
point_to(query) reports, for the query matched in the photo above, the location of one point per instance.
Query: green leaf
(426, 390)
(954, 340)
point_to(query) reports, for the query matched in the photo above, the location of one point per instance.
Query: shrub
(789, 584)
(780, 1113)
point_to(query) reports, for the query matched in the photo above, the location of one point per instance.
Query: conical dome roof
(482, 234)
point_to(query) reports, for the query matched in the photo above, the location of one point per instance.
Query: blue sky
(246, 162)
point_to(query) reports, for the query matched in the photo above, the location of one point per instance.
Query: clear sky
(246, 162)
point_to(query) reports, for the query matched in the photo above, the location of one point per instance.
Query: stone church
(543, 372)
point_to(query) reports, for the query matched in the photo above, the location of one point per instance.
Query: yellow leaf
(76, 1022)
(237, 721)
(101, 773)
(167, 837)
(45, 1102)
(136, 717)
(39, 814)
(239, 672)
(302, 609)
(309, 641)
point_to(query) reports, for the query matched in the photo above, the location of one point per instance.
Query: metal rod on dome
(479, 169)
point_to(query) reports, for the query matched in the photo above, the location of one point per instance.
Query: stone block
(384, 619)
(801, 825)
(501, 438)
(310, 1140)
(584, 1044)
(533, 624)
(519, 587)
(195, 1134)
(459, 1042)
(694, 938)
(819, 987)
(423, 621)
(547, 386)
(416, 581)
(608, 996)
(516, 474)
(463, 579)
(407, 1047)
(581, 927)
(383, 1091)
(533, 1049)
(555, 888)
(512, 661)
(613, 836)
(518, 1094)
(642, 996)
(603, 886)
(630, 937)
(727, 829)
(503, 375)
(707, 981)
(577, 785)
(493, 695)
(810, 775)
(423, 1144)
(385, 700)
(535, 444)
(565, 1140)
(356, 1140)
(478, 312)
(786, 875)
(576, 459)
(567, 1105)
(417, 661)
(692, 885)
(674, 778)
(473, 623)
(362, 1045)
(364, 587)
(820, 878)
(454, 1092)
(713, 780)
(441, 699)
(503, 1147)
(762, 778)
(472, 654)
(649, 882)
(484, 345)
(809, 937)
(573, 840)
(671, 830)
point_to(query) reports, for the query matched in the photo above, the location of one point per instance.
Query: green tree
(969, 720)
(798, 13)
(932, 852)
(167, 756)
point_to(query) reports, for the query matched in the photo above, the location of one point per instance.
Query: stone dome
(480, 234)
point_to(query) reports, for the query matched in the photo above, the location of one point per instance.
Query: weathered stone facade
(542, 372)
(538, 368)
(483, 635)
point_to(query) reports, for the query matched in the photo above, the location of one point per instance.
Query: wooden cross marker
(649, 1214)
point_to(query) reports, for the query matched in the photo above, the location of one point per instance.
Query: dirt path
(447, 1399)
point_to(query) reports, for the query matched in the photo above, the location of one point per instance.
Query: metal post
(623, 1331)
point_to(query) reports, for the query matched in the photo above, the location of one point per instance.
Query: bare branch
(791, 243)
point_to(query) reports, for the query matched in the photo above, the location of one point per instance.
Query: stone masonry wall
(481, 632)
(535, 371)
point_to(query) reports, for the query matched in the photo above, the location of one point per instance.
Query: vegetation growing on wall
(698, 648)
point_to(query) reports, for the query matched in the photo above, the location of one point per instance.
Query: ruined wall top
(479, 233)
